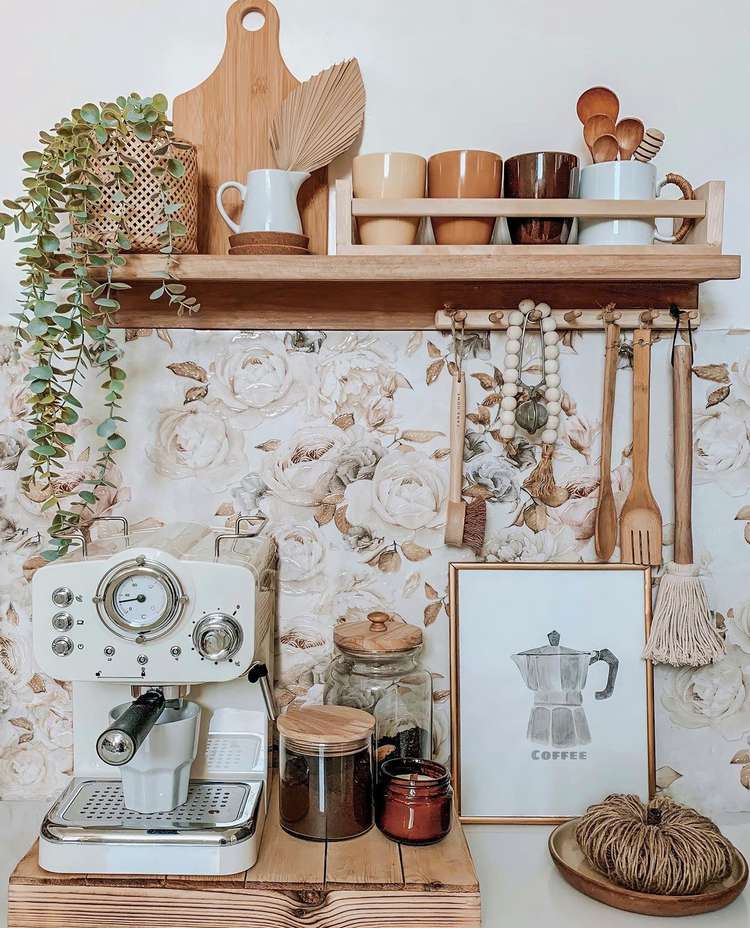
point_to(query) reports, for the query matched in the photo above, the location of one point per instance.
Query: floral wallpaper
(341, 440)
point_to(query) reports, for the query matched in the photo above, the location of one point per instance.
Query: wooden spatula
(605, 531)
(640, 519)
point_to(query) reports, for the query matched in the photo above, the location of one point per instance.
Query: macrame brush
(320, 119)
(464, 523)
(683, 632)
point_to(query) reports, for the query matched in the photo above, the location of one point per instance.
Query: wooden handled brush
(464, 524)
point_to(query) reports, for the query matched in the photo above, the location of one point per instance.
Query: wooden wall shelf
(404, 291)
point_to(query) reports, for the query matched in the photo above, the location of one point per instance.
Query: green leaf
(43, 372)
(90, 113)
(175, 167)
(106, 303)
(143, 131)
(44, 308)
(106, 428)
(37, 327)
(117, 373)
(101, 135)
(160, 103)
(64, 439)
(45, 451)
(69, 416)
(88, 497)
(33, 159)
(116, 442)
(50, 243)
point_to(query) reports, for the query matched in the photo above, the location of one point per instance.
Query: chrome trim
(170, 616)
(55, 829)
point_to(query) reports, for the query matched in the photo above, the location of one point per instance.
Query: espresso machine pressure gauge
(140, 599)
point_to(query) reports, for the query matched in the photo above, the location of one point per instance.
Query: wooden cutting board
(228, 117)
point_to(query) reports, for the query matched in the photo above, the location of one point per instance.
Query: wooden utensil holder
(705, 238)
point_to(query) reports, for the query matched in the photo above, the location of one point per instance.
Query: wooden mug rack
(706, 209)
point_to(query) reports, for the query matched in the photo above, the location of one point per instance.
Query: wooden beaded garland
(548, 387)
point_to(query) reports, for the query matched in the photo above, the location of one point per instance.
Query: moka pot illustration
(557, 677)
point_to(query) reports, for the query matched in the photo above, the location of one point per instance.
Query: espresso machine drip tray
(94, 811)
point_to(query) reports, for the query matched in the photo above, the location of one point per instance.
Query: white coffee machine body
(183, 612)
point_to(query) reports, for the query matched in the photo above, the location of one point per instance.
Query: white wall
(503, 76)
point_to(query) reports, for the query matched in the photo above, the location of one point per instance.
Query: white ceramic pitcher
(269, 201)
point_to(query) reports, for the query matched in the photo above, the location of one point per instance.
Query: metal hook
(676, 313)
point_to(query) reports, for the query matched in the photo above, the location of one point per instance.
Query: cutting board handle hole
(253, 20)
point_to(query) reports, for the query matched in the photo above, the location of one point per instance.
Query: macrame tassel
(541, 481)
(683, 632)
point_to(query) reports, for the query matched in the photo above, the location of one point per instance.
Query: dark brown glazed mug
(540, 175)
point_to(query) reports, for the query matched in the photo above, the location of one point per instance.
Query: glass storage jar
(376, 670)
(325, 772)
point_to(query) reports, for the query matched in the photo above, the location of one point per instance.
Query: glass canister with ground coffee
(376, 669)
(325, 772)
(414, 801)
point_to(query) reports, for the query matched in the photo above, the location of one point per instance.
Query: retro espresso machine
(167, 636)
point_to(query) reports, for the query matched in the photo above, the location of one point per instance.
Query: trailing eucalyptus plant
(68, 291)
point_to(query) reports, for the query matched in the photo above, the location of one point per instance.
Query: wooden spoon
(600, 124)
(605, 148)
(598, 100)
(640, 519)
(605, 531)
(629, 135)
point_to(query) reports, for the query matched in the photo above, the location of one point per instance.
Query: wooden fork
(640, 519)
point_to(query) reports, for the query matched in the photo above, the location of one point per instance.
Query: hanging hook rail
(577, 320)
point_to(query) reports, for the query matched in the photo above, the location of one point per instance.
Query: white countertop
(520, 886)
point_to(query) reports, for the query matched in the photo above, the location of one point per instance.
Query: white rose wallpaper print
(341, 440)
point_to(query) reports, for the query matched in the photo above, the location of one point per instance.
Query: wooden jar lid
(380, 634)
(337, 727)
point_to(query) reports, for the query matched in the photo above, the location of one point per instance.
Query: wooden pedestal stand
(368, 883)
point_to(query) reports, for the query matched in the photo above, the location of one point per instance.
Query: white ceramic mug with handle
(269, 201)
(626, 180)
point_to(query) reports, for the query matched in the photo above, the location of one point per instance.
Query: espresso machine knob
(118, 744)
(217, 637)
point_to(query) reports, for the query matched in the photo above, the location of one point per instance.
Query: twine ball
(659, 847)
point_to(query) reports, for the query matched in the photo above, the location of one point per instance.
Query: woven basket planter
(143, 207)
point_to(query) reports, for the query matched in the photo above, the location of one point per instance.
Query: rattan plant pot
(143, 209)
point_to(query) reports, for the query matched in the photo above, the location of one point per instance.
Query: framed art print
(552, 703)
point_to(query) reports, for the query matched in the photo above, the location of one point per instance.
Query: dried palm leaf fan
(320, 119)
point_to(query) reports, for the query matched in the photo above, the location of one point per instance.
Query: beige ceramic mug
(386, 176)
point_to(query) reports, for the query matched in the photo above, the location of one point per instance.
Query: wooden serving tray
(369, 882)
(574, 868)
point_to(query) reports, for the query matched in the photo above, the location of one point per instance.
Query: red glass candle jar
(414, 801)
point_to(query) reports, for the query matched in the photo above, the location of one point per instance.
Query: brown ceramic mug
(468, 174)
(540, 175)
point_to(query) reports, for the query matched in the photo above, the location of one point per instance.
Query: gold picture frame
(455, 570)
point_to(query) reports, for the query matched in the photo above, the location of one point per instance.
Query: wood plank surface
(286, 862)
(445, 865)
(113, 907)
(506, 263)
(288, 888)
(382, 306)
(366, 862)
(500, 206)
